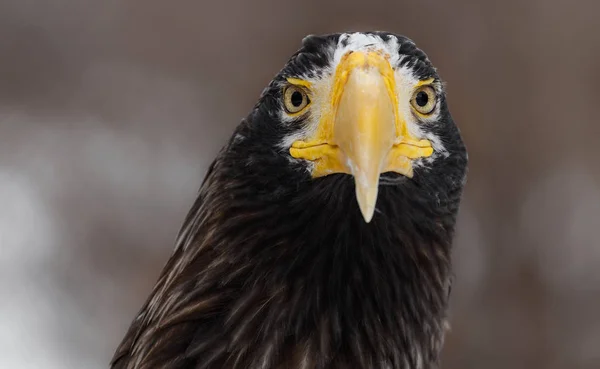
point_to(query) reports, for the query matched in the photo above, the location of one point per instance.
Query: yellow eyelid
(299, 82)
(423, 115)
(423, 82)
(298, 113)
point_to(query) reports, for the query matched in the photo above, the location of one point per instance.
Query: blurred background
(110, 112)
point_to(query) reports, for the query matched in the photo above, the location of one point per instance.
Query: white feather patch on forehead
(361, 41)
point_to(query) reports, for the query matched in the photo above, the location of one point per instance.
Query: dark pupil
(297, 99)
(422, 99)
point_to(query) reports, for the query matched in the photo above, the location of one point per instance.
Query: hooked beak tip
(366, 196)
(368, 213)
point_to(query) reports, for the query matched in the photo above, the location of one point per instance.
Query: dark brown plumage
(275, 269)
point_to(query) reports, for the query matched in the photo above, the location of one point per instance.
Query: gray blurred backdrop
(110, 112)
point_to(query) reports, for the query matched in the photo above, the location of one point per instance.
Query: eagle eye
(424, 100)
(295, 99)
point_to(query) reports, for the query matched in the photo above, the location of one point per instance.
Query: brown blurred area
(110, 112)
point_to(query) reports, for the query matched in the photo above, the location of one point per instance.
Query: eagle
(321, 235)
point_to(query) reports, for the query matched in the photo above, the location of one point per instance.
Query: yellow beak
(361, 133)
(365, 132)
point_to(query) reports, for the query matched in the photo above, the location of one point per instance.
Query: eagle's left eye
(424, 100)
(295, 99)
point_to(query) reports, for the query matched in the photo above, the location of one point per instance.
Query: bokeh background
(110, 112)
